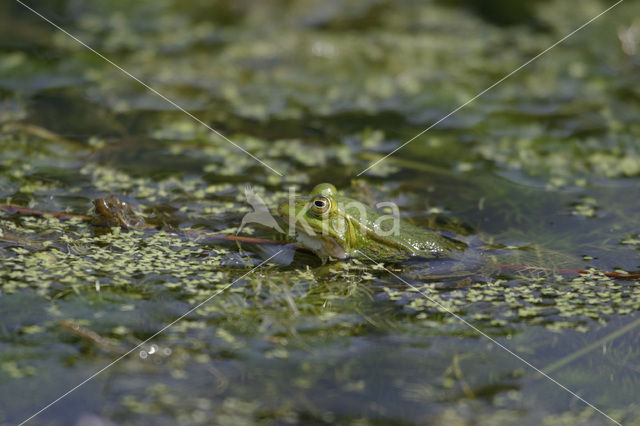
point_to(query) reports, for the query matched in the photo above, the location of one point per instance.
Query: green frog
(335, 226)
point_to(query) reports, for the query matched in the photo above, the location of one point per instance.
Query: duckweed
(543, 168)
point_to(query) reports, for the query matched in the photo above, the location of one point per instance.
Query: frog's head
(111, 206)
(111, 211)
(321, 222)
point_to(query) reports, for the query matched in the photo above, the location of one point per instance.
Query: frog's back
(380, 232)
(427, 241)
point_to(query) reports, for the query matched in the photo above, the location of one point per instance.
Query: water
(547, 162)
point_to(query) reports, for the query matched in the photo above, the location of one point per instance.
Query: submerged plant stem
(564, 271)
(609, 337)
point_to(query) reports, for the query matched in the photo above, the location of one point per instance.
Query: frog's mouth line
(324, 247)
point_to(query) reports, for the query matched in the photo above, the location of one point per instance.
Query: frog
(110, 211)
(335, 226)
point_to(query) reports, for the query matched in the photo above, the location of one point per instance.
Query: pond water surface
(546, 164)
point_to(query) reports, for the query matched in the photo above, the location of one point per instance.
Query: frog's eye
(320, 205)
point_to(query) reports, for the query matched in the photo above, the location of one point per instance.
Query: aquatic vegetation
(543, 167)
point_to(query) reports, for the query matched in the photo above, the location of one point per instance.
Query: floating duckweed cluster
(566, 162)
(111, 180)
(71, 255)
(555, 302)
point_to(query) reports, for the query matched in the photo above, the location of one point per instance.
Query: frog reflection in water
(334, 226)
(111, 211)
